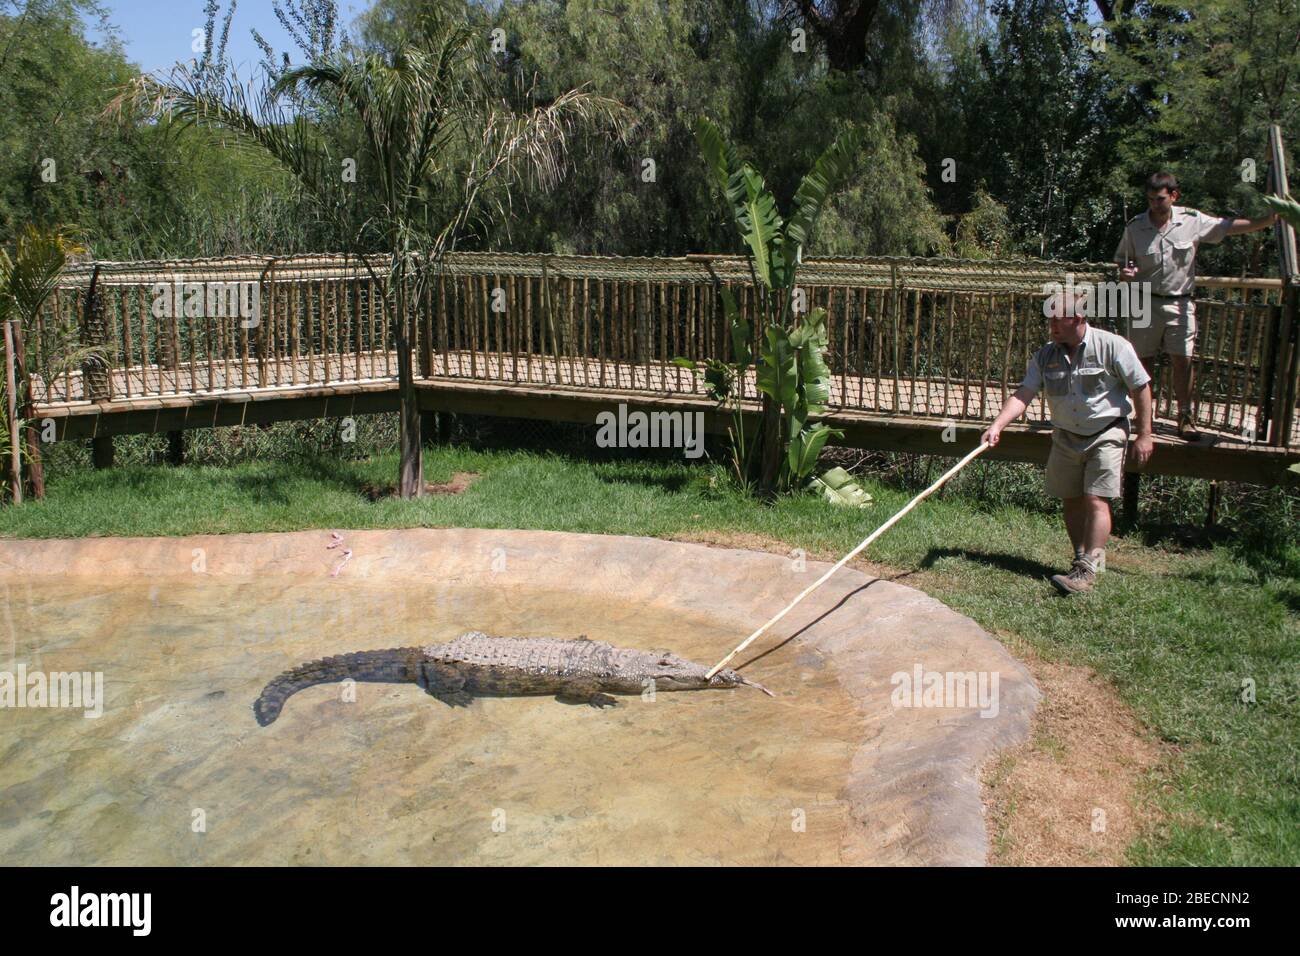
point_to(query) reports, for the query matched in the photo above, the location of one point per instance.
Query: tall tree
(435, 134)
(1212, 76)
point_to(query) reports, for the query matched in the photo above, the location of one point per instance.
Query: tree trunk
(27, 412)
(844, 29)
(14, 462)
(771, 449)
(411, 477)
(95, 373)
(410, 481)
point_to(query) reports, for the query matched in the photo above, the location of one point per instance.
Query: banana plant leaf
(719, 155)
(838, 487)
(760, 224)
(778, 372)
(739, 326)
(805, 446)
(1288, 208)
(718, 376)
(814, 374)
(718, 379)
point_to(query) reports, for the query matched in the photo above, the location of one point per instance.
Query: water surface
(177, 771)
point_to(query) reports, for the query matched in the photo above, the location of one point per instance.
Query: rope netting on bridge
(914, 337)
(994, 275)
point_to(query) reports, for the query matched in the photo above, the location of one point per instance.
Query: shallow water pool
(177, 771)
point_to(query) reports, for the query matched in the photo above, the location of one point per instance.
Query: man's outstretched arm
(1242, 226)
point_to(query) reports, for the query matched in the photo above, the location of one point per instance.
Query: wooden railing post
(1286, 383)
(96, 376)
(95, 370)
(1282, 386)
(424, 332)
(263, 341)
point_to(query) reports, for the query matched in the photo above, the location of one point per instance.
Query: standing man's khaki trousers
(1087, 464)
(1172, 328)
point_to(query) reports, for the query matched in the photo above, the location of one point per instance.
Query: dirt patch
(459, 482)
(1071, 795)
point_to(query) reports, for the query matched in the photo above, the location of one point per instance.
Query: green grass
(1175, 630)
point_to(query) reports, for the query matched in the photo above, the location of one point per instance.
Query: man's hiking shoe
(1098, 558)
(1185, 430)
(1080, 579)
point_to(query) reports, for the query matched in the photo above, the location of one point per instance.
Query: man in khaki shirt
(1159, 247)
(1092, 380)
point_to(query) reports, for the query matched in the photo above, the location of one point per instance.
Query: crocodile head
(676, 673)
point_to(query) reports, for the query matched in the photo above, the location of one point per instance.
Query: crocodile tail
(397, 665)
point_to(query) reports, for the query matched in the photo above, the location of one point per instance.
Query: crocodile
(579, 671)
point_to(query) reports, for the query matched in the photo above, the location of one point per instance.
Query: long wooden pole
(849, 557)
(11, 394)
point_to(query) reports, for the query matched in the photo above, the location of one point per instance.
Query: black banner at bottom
(604, 906)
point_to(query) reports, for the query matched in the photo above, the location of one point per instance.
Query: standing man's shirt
(1088, 391)
(1168, 259)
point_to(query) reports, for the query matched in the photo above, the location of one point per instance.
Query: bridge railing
(212, 326)
(921, 338)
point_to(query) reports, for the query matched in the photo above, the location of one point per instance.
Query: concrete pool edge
(914, 784)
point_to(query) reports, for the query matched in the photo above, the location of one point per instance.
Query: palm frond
(29, 277)
(831, 169)
(254, 115)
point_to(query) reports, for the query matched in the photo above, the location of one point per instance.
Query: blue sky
(157, 33)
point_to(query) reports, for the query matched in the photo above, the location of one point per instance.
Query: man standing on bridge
(1089, 376)
(1159, 247)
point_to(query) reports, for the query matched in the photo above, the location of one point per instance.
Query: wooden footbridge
(923, 351)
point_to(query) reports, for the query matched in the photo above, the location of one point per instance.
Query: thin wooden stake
(126, 339)
(444, 333)
(586, 332)
(326, 318)
(861, 366)
(16, 473)
(528, 330)
(849, 557)
(571, 328)
(947, 356)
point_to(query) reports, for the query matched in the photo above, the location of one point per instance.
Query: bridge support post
(176, 448)
(1212, 506)
(1132, 485)
(101, 452)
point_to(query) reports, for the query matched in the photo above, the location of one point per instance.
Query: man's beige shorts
(1086, 466)
(1172, 328)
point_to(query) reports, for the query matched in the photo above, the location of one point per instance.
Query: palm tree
(435, 129)
(27, 280)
